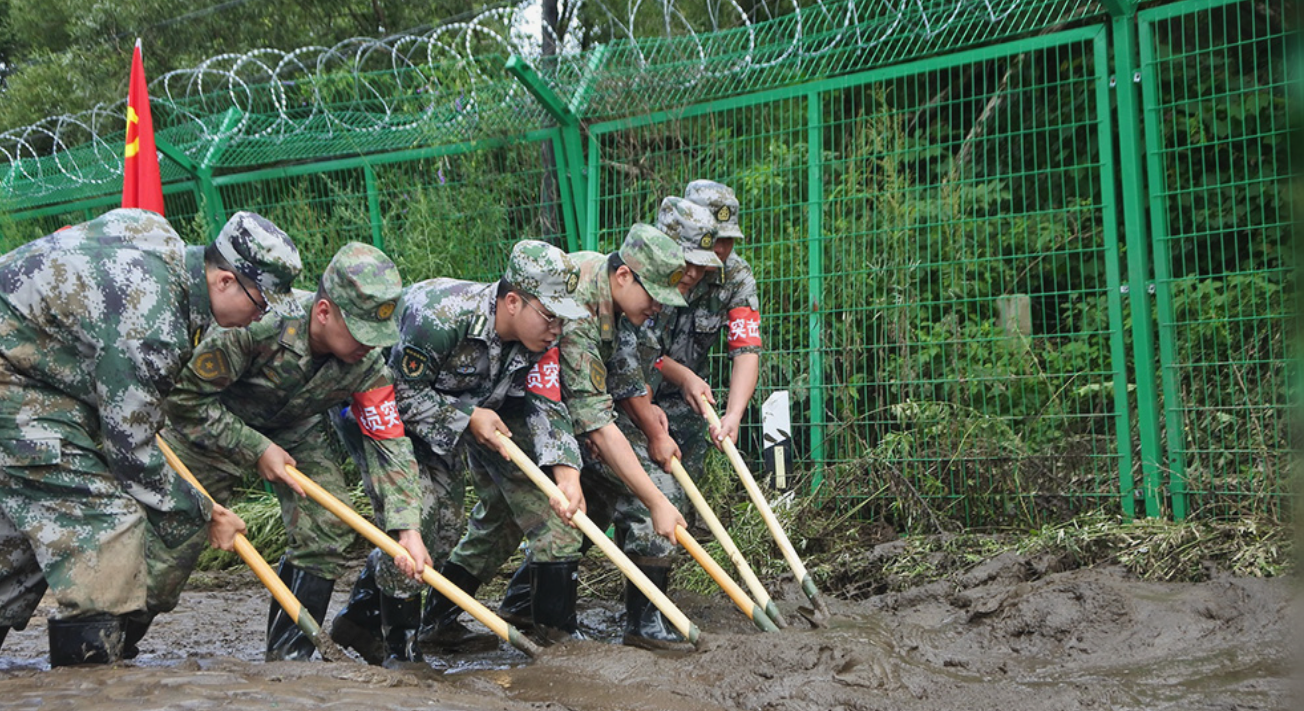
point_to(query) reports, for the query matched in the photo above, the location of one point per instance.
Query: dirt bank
(1007, 635)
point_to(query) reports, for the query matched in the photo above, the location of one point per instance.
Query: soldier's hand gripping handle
(411, 541)
(226, 525)
(665, 517)
(271, 466)
(695, 390)
(568, 481)
(484, 426)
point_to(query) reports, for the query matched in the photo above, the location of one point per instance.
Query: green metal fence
(1214, 83)
(1015, 262)
(934, 248)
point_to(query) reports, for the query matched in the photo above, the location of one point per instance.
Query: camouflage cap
(548, 274)
(693, 226)
(657, 261)
(261, 252)
(720, 200)
(365, 284)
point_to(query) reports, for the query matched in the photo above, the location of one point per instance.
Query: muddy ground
(1008, 635)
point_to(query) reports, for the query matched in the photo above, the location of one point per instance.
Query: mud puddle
(1002, 638)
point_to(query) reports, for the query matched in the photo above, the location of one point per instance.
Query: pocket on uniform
(31, 452)
(708, 323)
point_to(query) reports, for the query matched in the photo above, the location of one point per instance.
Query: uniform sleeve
(437, 418)
(546, 417)
(195, 410)
(552, 431)
(637, 349)
(584, 377)
(390, 462)
(131, 376)
(743, 309)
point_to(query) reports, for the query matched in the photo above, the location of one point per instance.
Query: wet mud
(1009, 635)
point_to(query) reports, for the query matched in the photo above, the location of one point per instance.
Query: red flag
(141, 184)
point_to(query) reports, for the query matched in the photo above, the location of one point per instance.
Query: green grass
(262, 515)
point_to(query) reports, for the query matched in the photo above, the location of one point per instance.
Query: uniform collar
(200, 305)
(601, 305)
(482, 323)
(711, 282)
(294, 331)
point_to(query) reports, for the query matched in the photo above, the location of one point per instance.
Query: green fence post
(590, 234)
(373, 207)
(1162, 271)
(815, 259)
(176, 155)
(565, 194)
(570, 158)
(572, 138)
(1118, 8)
(1138, 262)
(1105, 84)
(578, 174)
(204, 173)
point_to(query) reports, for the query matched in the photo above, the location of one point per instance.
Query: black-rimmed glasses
(549, 320)
(262, 308)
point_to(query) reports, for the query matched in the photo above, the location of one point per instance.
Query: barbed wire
(437, 79)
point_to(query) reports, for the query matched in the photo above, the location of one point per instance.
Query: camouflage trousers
(610, 501)
(66, 523)
(317, 539)
(443, 498)
(510, 507)
(690, 432)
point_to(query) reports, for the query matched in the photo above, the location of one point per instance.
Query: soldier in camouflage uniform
(664, 416)
(726, 300)
(479, 359)
(257, 398)
(708, 218)
(95, 322)
(623, 291)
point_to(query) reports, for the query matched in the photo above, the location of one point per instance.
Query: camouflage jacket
(594, 370)
(243, 386)
(723, 299)
(449, 360)
(105, 312)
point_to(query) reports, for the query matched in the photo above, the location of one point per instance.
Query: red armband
(744, 327)
(660, 361)
(544, 379)
(377, 413)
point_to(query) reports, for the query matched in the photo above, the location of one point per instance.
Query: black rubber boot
(285, 641)
(645, 626)
(555, 589)
(515, 607)
(357, 627)
(440, 628)
(134, 628)
(400, 619)
(93, 639)
(4, 632)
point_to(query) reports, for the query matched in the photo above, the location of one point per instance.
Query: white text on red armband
(744, 327)
(544, 379)
(377, 413)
